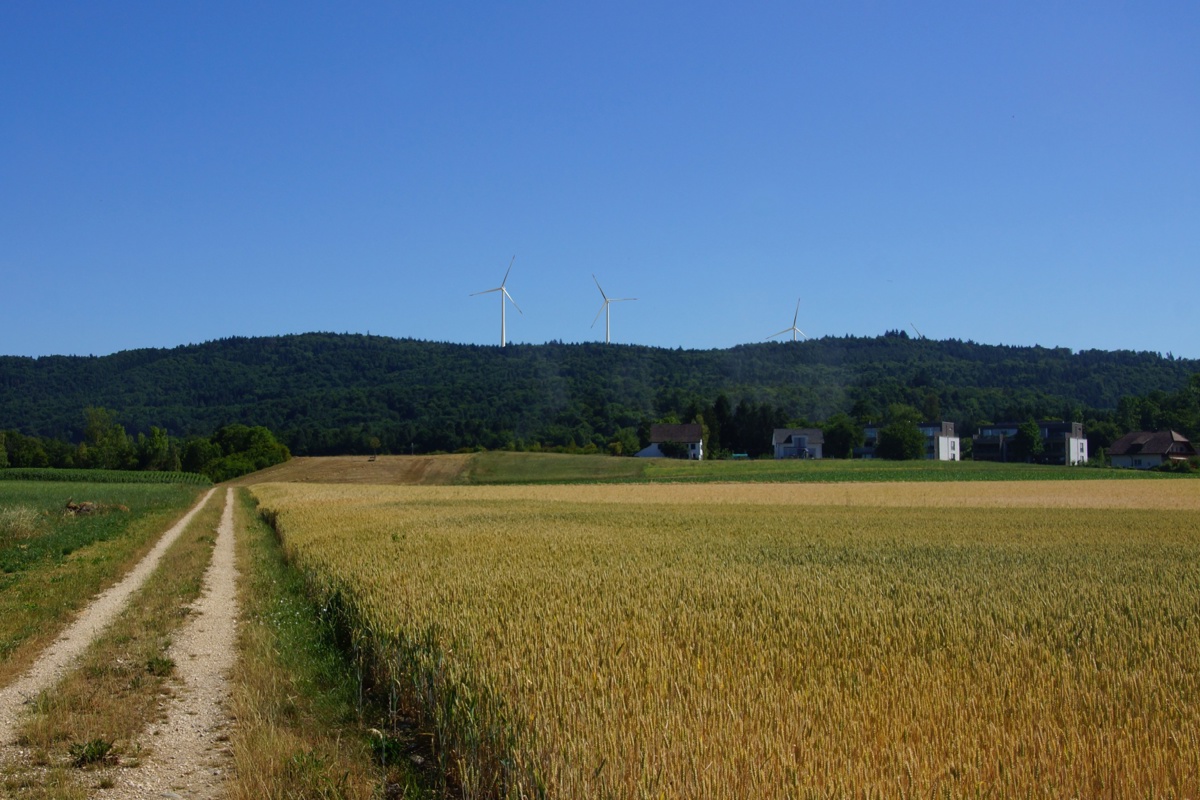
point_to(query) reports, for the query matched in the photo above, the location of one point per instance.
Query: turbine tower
(794, 330)
(503, 294)
(605, 310)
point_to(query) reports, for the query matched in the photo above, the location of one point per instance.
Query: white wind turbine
(794, 330)
(503, 294)
(605, 310)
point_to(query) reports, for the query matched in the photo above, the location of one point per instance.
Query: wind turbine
(605, 310)
(794, 330)
(919, 334)
(503, 294)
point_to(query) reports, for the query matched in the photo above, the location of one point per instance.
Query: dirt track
(190, 756)
(58, 657)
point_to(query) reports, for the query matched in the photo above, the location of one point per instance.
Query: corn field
(900, 640)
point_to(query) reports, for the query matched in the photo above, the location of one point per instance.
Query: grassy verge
(96, 716)
(53, 562)
(302, 731)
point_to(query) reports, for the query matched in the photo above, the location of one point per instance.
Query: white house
(798, 442)
(1146, 449)
(690, 436)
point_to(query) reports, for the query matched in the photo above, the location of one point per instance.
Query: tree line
(323, 394)
(230, 451)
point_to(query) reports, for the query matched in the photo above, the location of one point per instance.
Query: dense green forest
(342, 393)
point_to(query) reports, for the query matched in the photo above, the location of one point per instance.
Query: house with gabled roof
(689, 435)
(797, 442)
(1148, 449)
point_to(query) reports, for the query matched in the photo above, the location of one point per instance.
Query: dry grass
(779, 641)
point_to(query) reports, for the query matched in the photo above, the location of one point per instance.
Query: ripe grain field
(878, 640)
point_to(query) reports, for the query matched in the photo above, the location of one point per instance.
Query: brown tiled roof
(1153, 443)
(684, 434)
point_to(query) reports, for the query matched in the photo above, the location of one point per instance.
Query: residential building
(1148, 449)
(1063, 442)
(690, 436)
(798, 442)
(941, 444)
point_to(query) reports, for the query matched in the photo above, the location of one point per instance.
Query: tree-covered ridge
(326, 393)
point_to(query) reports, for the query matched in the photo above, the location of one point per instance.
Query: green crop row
(102, 476)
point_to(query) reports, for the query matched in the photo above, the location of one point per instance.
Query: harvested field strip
(399, 470)
(685, 642)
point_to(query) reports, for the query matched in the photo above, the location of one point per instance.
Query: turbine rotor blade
(621, 299)
(598, 313)
(486, 291)
(510, 263)
(796, 316)
(602, 294)
(785, 330)
(514, 302)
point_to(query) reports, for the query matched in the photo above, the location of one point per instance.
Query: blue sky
(1010, 173)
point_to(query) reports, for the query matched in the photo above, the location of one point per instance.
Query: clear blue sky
(1010, 173)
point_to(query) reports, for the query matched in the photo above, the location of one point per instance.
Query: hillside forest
(227, 405)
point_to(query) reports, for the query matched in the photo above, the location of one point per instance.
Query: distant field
(405, 470)
(543, 468)
(995, 639)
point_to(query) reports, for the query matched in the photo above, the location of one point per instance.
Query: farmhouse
(1147, 449)
(690, 437)
(797, 442)
(1064, 442)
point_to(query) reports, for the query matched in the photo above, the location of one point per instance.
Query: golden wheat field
(898, 640)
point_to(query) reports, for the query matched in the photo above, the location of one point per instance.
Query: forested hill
(330, 392)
